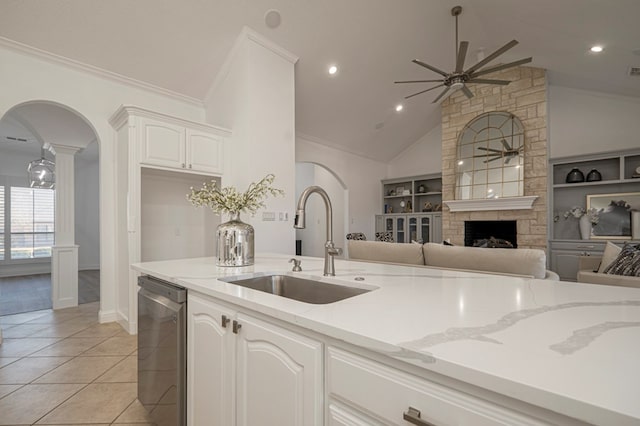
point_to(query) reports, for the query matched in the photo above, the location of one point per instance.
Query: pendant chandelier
(42, 173)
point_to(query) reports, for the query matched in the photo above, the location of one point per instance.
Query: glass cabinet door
(412, 224)
(400, 229)
(424, 229)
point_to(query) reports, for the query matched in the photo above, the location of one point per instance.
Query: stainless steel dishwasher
(162, 367)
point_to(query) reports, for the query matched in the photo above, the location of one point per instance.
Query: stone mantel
(507, 203)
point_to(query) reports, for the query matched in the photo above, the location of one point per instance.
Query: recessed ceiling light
(333, 69)
(399, 107)
(596, 49)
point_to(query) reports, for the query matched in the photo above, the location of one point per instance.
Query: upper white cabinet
(181, 146)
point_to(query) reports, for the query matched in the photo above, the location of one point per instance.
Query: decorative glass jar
(234, 243)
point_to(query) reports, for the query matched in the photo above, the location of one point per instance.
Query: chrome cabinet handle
(236, 326)
(413, 416)
(225, 321)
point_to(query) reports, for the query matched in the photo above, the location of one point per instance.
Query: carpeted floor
(33, 292)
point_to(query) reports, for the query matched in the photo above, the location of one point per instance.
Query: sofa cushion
(531, 262)
(380, 251)
(611, 251)
(627, 263)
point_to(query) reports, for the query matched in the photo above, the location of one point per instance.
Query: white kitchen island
(463, 348)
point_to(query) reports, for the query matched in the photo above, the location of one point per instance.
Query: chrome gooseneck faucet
(330, 250)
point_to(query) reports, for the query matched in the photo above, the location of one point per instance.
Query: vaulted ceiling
(180, 45)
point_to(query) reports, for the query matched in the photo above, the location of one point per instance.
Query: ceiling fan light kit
(459, 78)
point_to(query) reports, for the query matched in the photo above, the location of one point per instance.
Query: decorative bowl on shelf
(594, 176)
(575, 176)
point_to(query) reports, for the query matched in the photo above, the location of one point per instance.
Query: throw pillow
(627, 263)
(447, 242)
(611, 252)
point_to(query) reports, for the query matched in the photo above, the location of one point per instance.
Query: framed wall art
(614, 214)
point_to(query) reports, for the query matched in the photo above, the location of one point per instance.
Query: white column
(64, 268)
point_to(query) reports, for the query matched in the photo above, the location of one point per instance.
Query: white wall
(314, 235)
(421, 158)
(586, 122)
(25, 77)
(361, 176)
(255, 97)
(171, 228)
(87, 209)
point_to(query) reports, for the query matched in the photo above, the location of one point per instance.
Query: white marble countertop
(569, 347)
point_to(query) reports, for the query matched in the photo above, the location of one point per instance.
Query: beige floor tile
(7, 389)
(101, 330)
(126, 371)
(22, 318)
(28, 369)
(31, 402)
(79, 370)
(135, 413)
(23, 347)
(71, 346)
(23, 330)
(98, 402)
(7, 361)
(120, 345)
(55, 317)
(65, 329)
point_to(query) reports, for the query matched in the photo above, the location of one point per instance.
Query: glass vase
(234, 243)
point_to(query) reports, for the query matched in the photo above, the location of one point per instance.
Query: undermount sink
(301, 289)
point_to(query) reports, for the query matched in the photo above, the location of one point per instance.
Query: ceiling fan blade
(491, 57)
(418, 81)
(487, 81)
(462, 54)
(467, 92)
(490, 149)
(492, 159)
(435, 101)
(427, 66)
(508, 159)
(419, 93)
(500, 67)
(506, 145)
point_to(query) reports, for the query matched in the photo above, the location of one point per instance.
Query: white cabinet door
(279, 376)
(343, 415)
(210, 364)
(163, 144)
(204, 152)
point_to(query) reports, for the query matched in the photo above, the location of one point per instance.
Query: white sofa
(521, 262)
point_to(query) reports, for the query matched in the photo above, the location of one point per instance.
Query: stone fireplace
(526, 98)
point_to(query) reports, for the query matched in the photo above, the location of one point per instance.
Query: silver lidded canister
(235, 243)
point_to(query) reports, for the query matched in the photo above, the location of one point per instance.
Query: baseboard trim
(107, 316)
(130, 326)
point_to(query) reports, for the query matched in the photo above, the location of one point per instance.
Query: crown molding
(96, 71)
(125, 111)
(246, 34)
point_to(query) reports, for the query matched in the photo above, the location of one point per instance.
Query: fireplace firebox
(480, 232)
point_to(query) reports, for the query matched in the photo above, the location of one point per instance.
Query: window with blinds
(32, 222)
(1, 222)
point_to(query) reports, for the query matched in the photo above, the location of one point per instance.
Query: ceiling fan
(458, 79)
(508, 153)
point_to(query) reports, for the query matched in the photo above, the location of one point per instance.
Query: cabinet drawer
(587, 245)
(387, 393)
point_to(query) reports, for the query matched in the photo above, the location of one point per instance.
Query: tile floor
(63, 368)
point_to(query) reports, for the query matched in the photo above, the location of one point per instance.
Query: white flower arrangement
(229, 200)
(577, 212)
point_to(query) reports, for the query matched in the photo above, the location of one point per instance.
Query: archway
(312, 238)
(72, 142)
